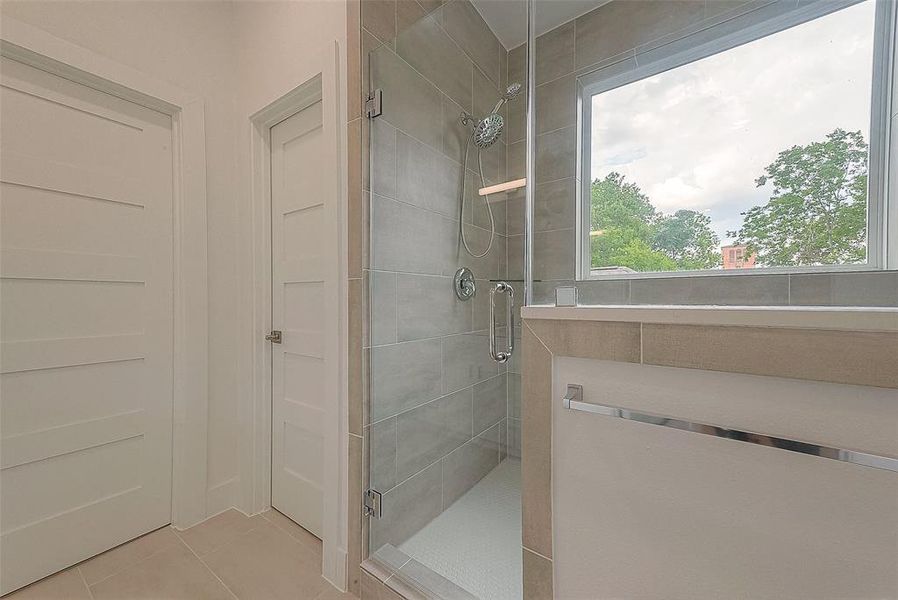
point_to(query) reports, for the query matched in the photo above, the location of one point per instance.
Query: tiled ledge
(805, 317)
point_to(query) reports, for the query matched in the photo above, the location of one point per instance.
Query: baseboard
(222, 496)
(333, 566)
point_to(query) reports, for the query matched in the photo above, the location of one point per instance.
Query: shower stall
(499, 177)
(445, 272)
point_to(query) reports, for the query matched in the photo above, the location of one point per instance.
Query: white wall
(650, 512)
(276, 41)
(238, 56)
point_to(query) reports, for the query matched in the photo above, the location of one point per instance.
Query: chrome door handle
(503, 355)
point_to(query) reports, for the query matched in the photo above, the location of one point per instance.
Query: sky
(698, 136)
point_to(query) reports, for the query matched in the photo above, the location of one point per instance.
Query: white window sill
(804, 317)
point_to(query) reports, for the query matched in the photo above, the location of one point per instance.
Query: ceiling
(508, 18)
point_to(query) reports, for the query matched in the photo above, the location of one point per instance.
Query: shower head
(511, 92)
(488, 130)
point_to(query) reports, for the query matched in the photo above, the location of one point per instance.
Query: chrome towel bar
(574, 401)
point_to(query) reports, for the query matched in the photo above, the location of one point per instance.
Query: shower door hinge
(374, 104)
(373, 507)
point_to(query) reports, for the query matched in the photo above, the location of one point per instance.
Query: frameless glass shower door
(441, 429)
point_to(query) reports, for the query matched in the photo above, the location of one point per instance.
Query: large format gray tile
(600, 35)
(516, 156)
(596, 292)
(410, 101)
(486, 94)
(517, 65)
(383, 151)
(409, 239)
(427, 178)
(493, 160)
(382, 438)
(515, 257)
(481, 302)
(553, 254)
(429, 432)
(599, 340)
(356, 199)
(383, 308)
(388, 559)
(556, 154)
(538, 576)
(403, 376)
(544, 291)
(515, 129)
(514, 395)
(514, 438)
(503, 439)
(555, 53)
(428, 307)
(462, 21)
(454, 133)
(854, 357)
(490, 402)
(427, 48)
(535, 435)
(466, 361)
(554, 207)
(408, 12)
(477, 207)
(844, 289)
(379, 17)
(408, 507)
(556, 104)
(744, 290)
(469, 464)
(373, 589)
(486, 267)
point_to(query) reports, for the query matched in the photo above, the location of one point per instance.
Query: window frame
(708, 39)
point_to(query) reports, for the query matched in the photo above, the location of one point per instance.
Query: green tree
(687, 237)
(630, 232)
(817, 213)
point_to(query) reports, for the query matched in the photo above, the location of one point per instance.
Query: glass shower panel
(442, 425)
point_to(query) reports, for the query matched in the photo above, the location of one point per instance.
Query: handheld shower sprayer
(511, 93)
(484, 133)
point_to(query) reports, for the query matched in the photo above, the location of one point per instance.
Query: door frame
(37, 48)
(319, 80)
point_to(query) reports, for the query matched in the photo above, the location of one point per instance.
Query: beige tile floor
(230, 556)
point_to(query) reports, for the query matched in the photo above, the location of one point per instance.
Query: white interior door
(86, 322)
(304, 308)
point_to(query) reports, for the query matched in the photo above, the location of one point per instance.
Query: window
(755, 148)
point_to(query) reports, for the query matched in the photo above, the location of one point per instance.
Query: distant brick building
(736, 257)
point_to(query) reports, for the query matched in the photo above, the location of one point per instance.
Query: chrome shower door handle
(503, 355)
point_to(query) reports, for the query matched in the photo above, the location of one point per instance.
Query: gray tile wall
(437, 419)
(596, 40)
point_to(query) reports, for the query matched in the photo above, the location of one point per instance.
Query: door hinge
(373, 507)
(274, 337)
(374, 104)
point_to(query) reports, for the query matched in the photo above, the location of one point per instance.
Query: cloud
(698, 136)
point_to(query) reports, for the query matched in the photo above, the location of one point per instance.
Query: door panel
(86, 322)
(300, 279)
